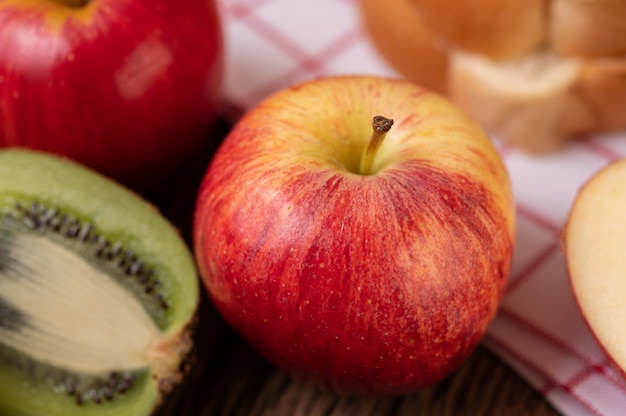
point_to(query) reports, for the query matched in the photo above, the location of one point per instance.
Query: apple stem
(380, 127)
(76, 4)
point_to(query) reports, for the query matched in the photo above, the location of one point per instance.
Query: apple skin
(127, 87)
(374, 284)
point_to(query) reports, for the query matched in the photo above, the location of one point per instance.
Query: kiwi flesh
(98, 293)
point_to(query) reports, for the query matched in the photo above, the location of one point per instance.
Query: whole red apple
(370, 267)
(128, 87)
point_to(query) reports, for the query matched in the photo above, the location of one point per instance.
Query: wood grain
(230, 378)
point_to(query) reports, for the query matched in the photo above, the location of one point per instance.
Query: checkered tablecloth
(271, 44)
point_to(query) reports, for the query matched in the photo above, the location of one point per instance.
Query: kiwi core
(78, 312)
(66, 313)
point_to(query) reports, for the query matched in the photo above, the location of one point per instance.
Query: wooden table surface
(228, 378)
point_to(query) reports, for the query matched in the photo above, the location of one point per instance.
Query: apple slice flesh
(595, 251)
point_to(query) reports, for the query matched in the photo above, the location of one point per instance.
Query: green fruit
(98, 293)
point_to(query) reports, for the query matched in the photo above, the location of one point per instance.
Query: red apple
(368, 268)
(128, 87)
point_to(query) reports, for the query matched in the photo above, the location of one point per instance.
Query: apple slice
(595, 248)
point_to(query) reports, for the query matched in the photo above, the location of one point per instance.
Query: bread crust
(499, 29)
(397, 30)
(601, 86)
(588, 28)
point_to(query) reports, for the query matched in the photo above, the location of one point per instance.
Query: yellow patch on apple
(56, 12)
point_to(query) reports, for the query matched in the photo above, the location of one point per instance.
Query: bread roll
(535, 73)
(496, 28)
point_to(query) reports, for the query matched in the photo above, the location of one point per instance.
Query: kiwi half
(98, 293)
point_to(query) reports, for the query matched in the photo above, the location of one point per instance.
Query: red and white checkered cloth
(271, 44)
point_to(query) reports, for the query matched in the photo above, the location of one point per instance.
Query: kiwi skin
(28, 176)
